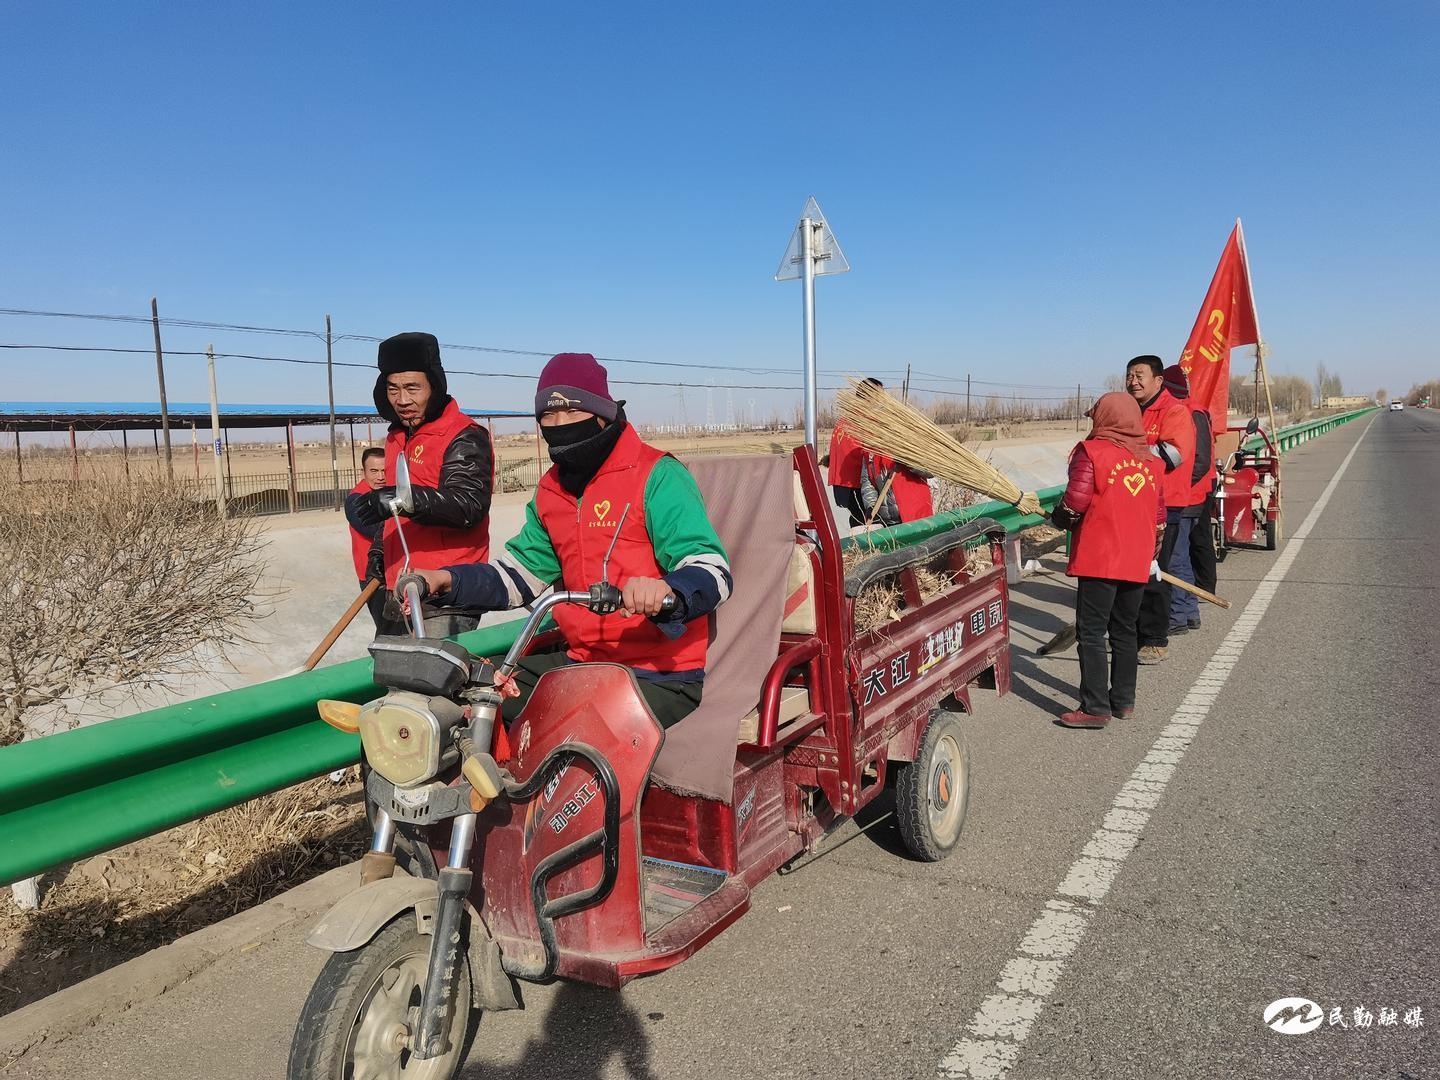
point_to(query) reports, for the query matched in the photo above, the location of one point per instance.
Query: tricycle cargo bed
(940, 644)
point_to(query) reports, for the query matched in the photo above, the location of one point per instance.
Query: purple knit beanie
(574, 381)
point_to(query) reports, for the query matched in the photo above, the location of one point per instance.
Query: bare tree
(106, 585)
(1114, 383)
(1242, 393)
(1327, 384)
(1426, 391)
(1293, 395)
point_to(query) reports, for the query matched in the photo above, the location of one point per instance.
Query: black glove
(380, 501)
(1064, 518)
(375, 565)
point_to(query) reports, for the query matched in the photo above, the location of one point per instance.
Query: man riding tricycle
(613, 824)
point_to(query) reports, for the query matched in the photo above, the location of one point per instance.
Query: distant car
(1397, 405)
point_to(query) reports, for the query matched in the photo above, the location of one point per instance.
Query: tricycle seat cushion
(800, 591)
(751, 504)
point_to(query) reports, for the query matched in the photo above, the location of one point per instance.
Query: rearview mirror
(404, 496)
(1250, 429)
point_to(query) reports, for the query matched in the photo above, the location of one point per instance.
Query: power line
(202, 324)
(528, 376)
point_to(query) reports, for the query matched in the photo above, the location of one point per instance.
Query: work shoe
(1179, 628)
(1193, 624)
(1123, 712)
(1078, 719)
(1153, 654)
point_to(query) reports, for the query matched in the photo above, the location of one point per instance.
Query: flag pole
(1260, 372)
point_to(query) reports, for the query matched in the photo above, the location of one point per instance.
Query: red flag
(1226, 320)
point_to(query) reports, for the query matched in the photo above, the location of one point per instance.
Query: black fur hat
(412, 351)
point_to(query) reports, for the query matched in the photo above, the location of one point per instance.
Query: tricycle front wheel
(932, 792)
(364, 1008)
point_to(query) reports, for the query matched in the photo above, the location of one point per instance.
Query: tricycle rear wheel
(366, 1002)
(1272, 533)
(932, 793)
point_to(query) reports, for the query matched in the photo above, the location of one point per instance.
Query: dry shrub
(108, 584)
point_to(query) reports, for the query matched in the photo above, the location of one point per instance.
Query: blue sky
(1031, 193)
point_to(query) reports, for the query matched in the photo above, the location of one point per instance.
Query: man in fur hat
(452, 475)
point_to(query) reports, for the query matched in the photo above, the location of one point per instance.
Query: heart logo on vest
(416, 451)
(601, 509)
(1134, 482)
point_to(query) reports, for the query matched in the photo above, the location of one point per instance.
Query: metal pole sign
(813, 252)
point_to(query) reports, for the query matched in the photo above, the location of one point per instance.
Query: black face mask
(579, 449)
(563, 435)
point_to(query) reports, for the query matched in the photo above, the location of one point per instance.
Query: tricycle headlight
(402, 738)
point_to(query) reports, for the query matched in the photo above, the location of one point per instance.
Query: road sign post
(813, 252)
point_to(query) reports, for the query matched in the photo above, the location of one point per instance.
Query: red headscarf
(1116, 418)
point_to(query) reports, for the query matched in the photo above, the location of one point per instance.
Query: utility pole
(160, 373)
(967, 399)
(215, 433)
(1077, 406)
(330, 383)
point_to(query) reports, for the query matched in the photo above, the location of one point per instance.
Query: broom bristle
(902, 432)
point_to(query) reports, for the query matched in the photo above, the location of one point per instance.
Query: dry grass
(883, 601)
(104, 910)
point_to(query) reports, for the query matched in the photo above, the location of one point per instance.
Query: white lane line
(1000, 1025)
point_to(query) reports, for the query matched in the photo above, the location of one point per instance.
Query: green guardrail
(912, 532)
(76, 793)
(1296, 434)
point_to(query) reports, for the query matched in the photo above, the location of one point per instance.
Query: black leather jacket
(463, 498)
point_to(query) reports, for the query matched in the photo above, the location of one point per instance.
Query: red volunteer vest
(359, 542)
(432, 547)
(581, 532)
(1164, 411)
(1116, 537)
(845, 457)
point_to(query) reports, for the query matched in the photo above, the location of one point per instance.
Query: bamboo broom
(902, 432)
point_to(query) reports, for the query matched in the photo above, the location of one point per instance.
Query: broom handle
(339, 627)
(880, 501)
(1218, 601)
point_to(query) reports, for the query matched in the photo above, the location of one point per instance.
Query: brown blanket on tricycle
(750, 501)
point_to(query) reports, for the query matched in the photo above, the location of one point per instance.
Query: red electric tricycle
(578, 840)
(1247, 491)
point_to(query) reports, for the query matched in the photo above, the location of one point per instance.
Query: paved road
(1125, 903)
